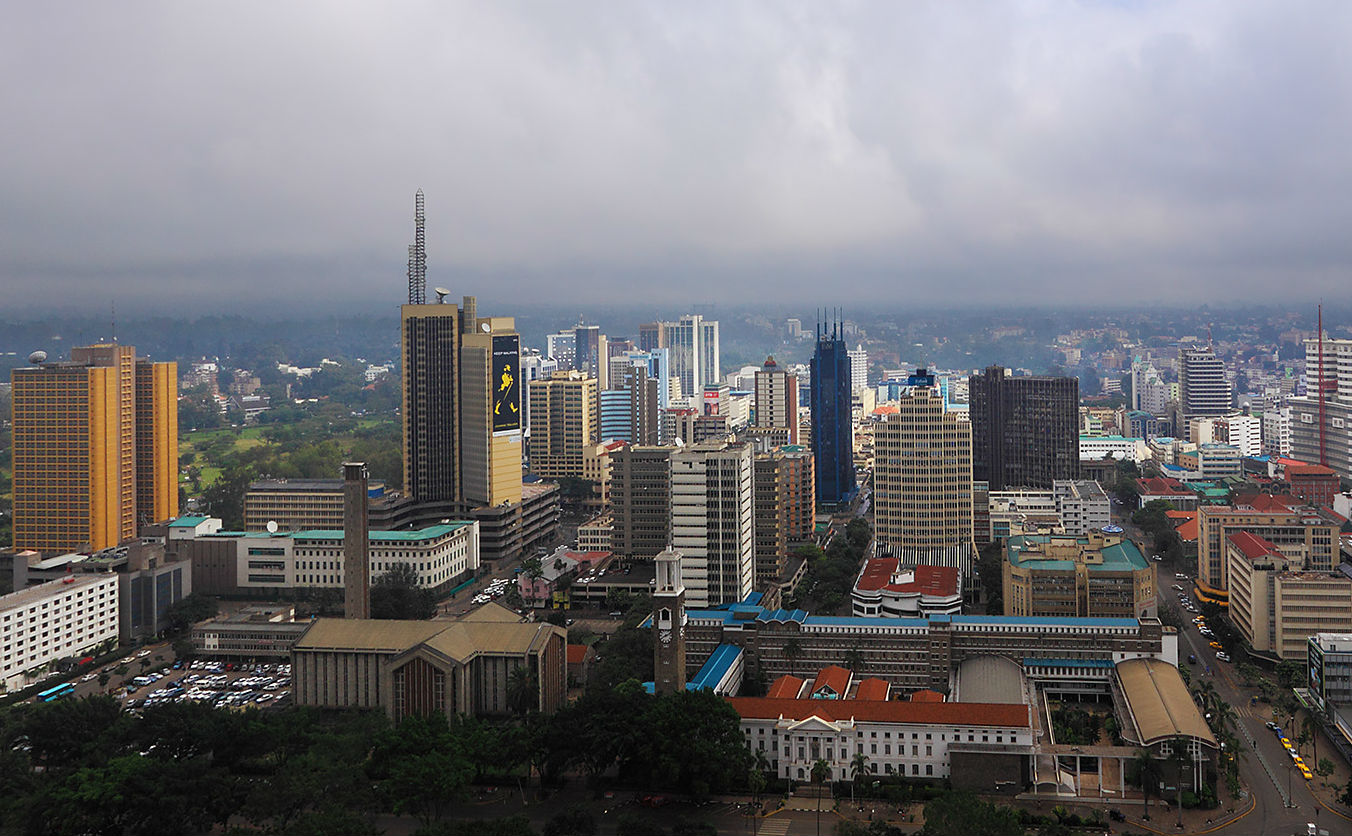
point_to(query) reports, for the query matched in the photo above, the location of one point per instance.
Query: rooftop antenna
(417, 254)
(441, 293)
(112, 304)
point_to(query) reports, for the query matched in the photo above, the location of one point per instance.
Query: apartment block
(55, 620)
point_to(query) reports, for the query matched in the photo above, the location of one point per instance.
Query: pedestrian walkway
(773, 827)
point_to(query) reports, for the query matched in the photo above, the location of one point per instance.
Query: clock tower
(668, 624)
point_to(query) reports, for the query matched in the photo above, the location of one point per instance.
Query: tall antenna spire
(417, 255)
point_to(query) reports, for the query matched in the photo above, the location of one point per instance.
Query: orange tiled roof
(577, 653)
(926, 695)
(834, 677)
(1251, 545)
(890, 711)
(872, 688)
(786, 687)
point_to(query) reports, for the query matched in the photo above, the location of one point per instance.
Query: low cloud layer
(228, 155)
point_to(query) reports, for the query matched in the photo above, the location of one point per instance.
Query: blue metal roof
(783, 615)
(722, 660)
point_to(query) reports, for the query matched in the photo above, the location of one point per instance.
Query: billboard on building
(506, 382)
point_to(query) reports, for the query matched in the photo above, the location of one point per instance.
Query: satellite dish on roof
(37, 357)
(485, 327)
(441, 293)
(272, 526)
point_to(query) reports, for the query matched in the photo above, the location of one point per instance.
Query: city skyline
(921, 153)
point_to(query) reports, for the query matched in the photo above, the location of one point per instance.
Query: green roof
(1120, 557)
(432, 532)
(188, 522)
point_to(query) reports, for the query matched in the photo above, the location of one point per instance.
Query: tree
(425, 766)
(397, 595)
(961, 813)
(185, 612)
(1325, 768)
(1290, 674)
(1148, 775)
(793, 651)
(575, 821)
(858, 766)
(821, 773)
(854, 660)
(1178, 755)
(523, 690)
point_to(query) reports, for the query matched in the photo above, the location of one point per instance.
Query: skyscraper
(1202, 387)
(922, 483)
(1323, 434)
(566, 418)
(1025, 430)
(785, 508)
(693, 346)
(95, 448)
(858, 368)
(832, 432)
(640, 499)
(777, 400)
(490, 409)
(712, 521)
(430, 355)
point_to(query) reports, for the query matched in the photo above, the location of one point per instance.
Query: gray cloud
(264, 153)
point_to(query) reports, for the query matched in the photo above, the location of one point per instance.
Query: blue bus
(57, 692)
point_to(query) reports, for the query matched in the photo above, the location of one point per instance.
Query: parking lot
(221, 684)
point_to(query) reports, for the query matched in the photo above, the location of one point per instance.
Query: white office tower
(777, 400)
(1242, 431)
(693, 345)
(1148, 392)
(1202, 387)
(711, 521)
(562, 347)
(1277, 432)
(1332, 446)
(858, 368)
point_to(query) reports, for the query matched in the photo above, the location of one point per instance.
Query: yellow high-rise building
(95, 448)
(566, 422)
(490, 412)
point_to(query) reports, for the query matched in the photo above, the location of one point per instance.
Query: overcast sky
(255, 154)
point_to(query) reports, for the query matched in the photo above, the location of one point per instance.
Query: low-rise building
(1277, 607)
(268, 565)
(1116, 447)
(1211, 461)
(1169, 490)
(1099, 574)
(55, 620)
(1082, 506)
(298, 504)
(883, 588)
(596, 534)
(409, 668)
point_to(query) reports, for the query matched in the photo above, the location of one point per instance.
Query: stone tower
(669, 625)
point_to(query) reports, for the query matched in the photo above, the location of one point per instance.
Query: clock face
(665, 636)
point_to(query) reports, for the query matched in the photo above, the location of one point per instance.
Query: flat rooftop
(24, 597)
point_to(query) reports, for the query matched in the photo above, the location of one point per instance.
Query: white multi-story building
(858, 368)
(55, 620)
(1098, 447)
(1082, 506)
(1277, 432)
(1148, 392)
(1202, 384)
(712, 523)
(1242, 431)
(776, 399)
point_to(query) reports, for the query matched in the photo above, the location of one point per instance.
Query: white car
(1222, 656)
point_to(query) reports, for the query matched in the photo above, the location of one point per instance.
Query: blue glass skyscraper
(832, 435)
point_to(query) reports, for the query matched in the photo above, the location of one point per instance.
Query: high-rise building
(640, 499)
(1277, 432)
(95, 448)
(1202, 386)
(631, 408)
(1025, 430)
(1275, 605)
(490, 410)
(1323, 434)
(785, 509)
(693, 346)
(777, 400)
(566, 410)
(858, 368)
(832, 426)
(712, 521)
(922, 483)
(1148, 392)
(430, 360)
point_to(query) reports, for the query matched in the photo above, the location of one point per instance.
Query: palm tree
(522, 690)
(1148, 773)
(854, 660)
(793, 651)
(1178, 754)
(821, 771)
(858, 766)
(1309, 728)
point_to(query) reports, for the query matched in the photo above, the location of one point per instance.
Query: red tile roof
(1162, 486)
(786, 687)
(577, 653)
(1269, 503)
(1251, 545)
(834, 677)
(890, 711)
(929, 580)
(872, 688)
(1308, 470)
(926, 695)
